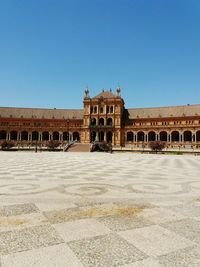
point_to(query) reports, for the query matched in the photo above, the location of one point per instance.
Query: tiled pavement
(99, 210)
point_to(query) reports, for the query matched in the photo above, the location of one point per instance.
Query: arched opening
(92, 136)
(109, 121)
(65, 136)
(109, 137)
(198, 136)
(187, 135)
(56, 136)
(93, 121)
(24, 136)
(101, 121)
(2, 135)
(140, 136)
(152, 136)
(175, 137)
(163, 136)
(13, 135)
(35, 136)
(101, 136)
(101, 109)
(45, 136)
(76, 136)
(129, 137)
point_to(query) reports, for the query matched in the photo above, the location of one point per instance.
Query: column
(60, 136)
(181, 137)
(29, 136)
(18, 136)
(40, 136)
(8, 136)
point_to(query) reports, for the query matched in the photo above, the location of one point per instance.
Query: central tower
(102, 117)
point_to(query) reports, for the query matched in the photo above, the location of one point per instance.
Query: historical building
(103, 117)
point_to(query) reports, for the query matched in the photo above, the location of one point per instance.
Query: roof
(134, 113)
(105, 94)
(164, 112)
(41, 113)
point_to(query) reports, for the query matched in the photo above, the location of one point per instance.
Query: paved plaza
(99, 210)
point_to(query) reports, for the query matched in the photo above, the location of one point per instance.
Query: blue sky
(51, 49)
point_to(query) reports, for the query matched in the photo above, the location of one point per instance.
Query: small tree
(52, 145)
(157, 146)
(7, 145)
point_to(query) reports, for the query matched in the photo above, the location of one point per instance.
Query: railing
(67, 146)
(101, 126)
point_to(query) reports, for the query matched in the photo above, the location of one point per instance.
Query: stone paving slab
(98, 209)
(109, 250)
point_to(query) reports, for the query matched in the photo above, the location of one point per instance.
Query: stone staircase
(77, 147)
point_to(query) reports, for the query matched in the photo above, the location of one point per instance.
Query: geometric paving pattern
(99, 209)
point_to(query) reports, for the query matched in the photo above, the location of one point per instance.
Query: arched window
(101, 121)
(93, 121)
(24, 136)
(2, 135)
(152, 136)
(35, 136)
(111, 109)
(109, 137)
(129, 137)
(163, 136)
(45, 136)
(140, 136)
(175, 136)
(92, 136)
(13, 135)
(101, 109)
(56, 136)
(76, 136)
(198, 136)
(109, 121)
(65, 136)
(187, 136)
(101, 136)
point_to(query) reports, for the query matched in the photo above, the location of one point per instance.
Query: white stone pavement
(99, 210)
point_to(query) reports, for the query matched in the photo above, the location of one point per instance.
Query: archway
(13, 135)
(55, 136)
(92, 136)
(65, 136)
(76, 136)
(101, 136)
(24, 136)
(93, 122)
(187, 135)
(129, 136)
(3, 135)
(140, 136)
(175, 137)
(109, 137)
(45, 136)
(101, 121)
(109, 121)
(163, 136)
(152, 136)
(35, 136)
(198, 136)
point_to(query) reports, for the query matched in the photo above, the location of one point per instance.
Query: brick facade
(104, 118)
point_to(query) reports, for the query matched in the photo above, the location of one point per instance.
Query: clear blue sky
(51, 49)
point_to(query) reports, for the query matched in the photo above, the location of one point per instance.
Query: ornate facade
(104, 118)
